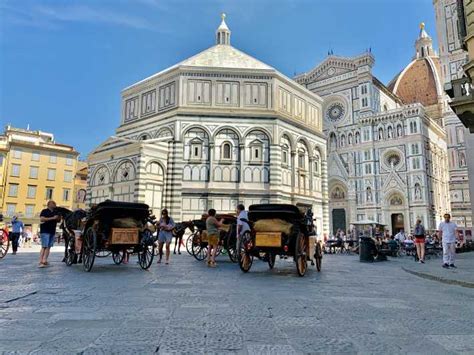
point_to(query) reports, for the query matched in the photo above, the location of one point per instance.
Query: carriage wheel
(189, 244)
(118, 256)
(271, 260)
(71, 251)
(147, 249)
(245, 259)
(318, 256)
(199, 251)
(301, 254)
(89, 249)
(5, 244)
(146, 255)
(232, 252)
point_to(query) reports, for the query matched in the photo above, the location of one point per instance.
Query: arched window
(226, 151)
(301, 159)
(380, 136)
(349, 139)
(357, 137)
(390, 132)
(343, 140)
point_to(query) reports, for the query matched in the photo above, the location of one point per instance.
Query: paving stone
(456, 343)
(349, 307)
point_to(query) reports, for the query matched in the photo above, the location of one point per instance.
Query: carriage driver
(242, 223)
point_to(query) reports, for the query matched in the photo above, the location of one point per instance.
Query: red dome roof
(419, 82)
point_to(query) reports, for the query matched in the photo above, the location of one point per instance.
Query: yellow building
(35, 169)
(80, 185)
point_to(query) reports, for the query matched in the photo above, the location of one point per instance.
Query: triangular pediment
(332, 66)
(393, 181)
(336, 167)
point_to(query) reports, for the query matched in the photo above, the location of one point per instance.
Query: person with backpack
(419, 233)
(17, 230)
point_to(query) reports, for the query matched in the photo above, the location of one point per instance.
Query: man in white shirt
(400, 236)
(447, 231)
(242, 223)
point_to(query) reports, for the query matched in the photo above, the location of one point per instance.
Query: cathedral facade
(387, 150)
(212, 131)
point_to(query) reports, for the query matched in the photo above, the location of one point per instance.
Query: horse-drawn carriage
(197, 243)
(278, 229)
(116, 228)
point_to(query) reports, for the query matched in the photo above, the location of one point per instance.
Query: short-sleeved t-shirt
(211, 226)
(48, 226)
(244, 226)
(449, 231)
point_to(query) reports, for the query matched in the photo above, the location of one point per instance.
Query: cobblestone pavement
(185, 307)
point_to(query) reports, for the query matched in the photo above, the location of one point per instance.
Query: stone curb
(440, 279)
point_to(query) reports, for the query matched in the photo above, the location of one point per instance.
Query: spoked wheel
(189, 244)
(71, 251)
(232, 252)
(89, 249)
(301, 255)
(271, 260)
(146, 255)
(246, 259)
(5, 244)
(318, 256)
(118, 256)
(199, 251)
(147, 249)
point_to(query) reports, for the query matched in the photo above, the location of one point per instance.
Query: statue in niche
(417, 192)
(399, 131)
(369, 194)
(462, 159)
(390, 132)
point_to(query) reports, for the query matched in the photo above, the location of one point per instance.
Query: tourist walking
(48, 218)
(242, 224)
(447, 231)
(212, 228)
(165, 235)
(419, 233)
(17, 231)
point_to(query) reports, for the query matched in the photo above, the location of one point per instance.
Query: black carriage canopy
(289, 213)
(114, 209)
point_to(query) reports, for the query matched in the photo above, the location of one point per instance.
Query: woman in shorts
(212, 228)
(165, 235)
(419, 233)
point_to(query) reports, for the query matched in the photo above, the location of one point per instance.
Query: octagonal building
(212, 131)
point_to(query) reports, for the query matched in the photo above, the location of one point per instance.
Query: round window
(335, 111)
(393, 159)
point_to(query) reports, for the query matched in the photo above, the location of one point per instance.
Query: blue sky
(63, 63)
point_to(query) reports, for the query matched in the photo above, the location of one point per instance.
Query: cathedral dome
(420, 81)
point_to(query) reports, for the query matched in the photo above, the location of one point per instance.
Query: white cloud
(50, 16)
